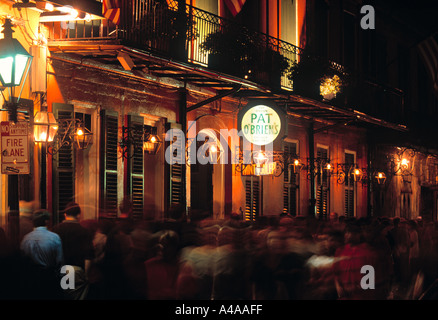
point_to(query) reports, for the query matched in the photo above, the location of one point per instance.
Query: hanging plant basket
(316, 78)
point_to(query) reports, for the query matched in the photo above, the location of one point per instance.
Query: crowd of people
(273, 258)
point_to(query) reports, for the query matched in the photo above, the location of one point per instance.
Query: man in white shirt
(43, 257)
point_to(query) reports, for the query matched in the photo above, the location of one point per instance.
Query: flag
(234, 6)
(429, 52)
(111, 10)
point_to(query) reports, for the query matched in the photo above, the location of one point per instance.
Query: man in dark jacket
(77, 245)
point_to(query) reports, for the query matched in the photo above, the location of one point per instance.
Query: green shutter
(322, 186)
(63, 163)
(135, 167)
(108, 160)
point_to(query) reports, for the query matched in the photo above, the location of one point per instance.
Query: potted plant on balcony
(236, 51)
(227, 51)
(317, 78)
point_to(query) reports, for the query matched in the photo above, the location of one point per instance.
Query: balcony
(181, 34)
(202, 40)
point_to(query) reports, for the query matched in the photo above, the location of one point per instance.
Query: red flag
(234, 6)
(111, 10)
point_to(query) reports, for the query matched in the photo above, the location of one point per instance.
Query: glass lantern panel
(40, 132)
(6, 70)
(20, 67)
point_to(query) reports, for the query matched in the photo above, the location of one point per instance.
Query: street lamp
(15, 63)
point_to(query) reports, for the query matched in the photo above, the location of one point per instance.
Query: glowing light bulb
(356, 171)
(80, 132)
(261, 156)
(43, 136)
(329, 166)
(404, 162)
(296, 162)
(153, 139)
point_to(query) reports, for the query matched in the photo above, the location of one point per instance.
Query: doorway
(201, 189)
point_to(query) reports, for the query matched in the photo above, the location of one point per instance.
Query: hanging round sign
(261, 122)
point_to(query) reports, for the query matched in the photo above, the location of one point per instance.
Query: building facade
(147, 67)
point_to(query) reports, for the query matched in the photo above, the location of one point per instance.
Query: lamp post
(15, 63)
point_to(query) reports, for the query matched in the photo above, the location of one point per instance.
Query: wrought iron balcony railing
(180, 33)
(199, 37)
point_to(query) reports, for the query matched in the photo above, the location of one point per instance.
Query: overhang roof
(147, 64)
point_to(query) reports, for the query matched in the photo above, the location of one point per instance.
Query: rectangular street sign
(15, 147)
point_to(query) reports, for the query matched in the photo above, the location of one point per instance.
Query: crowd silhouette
(273, 258)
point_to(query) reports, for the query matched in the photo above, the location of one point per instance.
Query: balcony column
(312, 200)
(183, 121)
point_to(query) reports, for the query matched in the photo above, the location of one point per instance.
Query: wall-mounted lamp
(404, 164)
(56, 134)
(297, 165)
(357, 174)
(213, 152)
(82, 136)
(380, 177)
(260, 158)
(151, 140)
(45, 127)
(139, 138)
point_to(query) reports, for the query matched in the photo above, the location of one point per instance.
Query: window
(322, 184)
(291, 181)
(349, 190)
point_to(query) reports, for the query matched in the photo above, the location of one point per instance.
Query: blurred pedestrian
(43, 258)
(398, 238)
(162, 271)
(77, 247)
(349, 261)
(414, 249)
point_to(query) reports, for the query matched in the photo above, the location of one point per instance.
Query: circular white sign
(261, 125)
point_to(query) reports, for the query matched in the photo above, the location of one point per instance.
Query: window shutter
(322, 187)
(176, 172)
(63, 164)
(349, 187)
(135, 168)
(252, 194)
(349, 203)
(108, 174)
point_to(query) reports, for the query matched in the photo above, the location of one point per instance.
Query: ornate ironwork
(131, 142)
(65, 136)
